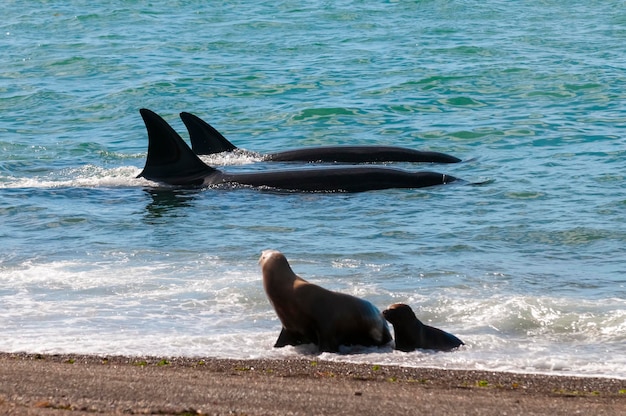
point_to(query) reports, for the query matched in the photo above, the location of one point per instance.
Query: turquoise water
(528, 269)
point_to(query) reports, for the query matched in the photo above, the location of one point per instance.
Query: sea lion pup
(312, 314)
(410, 333)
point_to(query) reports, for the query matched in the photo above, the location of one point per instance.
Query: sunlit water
(528, 269)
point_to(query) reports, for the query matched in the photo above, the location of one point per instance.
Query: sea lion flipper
(453, 341)
(288, 337)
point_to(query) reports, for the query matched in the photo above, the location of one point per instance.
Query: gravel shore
(36, 384)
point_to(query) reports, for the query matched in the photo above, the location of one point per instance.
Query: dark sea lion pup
(410, 333)
(312, 314)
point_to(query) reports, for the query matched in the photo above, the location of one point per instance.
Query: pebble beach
(36, 384)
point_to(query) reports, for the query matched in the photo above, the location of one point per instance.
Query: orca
(171, 161)
(206, 140)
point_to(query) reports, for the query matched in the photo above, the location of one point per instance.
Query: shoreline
(50, 384)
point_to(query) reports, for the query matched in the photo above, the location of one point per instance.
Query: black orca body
(171, 161)
(206, 140)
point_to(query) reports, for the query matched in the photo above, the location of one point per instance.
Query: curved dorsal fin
(170, 160)
(205, 139)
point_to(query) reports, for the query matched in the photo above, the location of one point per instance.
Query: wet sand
(34, 384)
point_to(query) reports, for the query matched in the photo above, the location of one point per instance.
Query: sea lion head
(273, 259)
(267, 254)
(275, 268)
(399, 313)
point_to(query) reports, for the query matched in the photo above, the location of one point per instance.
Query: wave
(136, 304)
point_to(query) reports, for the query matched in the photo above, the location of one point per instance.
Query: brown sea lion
(410, 333)
(312, 314)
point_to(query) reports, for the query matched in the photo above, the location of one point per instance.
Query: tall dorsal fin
(170, 160)
(205, 139)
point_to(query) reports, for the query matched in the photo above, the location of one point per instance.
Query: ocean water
(528, 269)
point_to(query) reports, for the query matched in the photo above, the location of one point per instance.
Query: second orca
(206, 140)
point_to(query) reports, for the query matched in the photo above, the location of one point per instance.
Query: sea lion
(312, 314)
(410, 333)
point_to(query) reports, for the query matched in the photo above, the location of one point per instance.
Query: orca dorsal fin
(205, 139)
(170, 160)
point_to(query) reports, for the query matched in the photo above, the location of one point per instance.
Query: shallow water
(527, 269)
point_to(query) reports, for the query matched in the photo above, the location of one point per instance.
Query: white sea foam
(236, 157)
(91, 176)
(88, 176)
